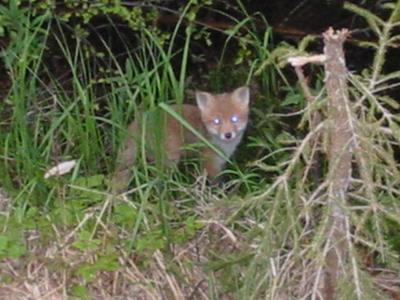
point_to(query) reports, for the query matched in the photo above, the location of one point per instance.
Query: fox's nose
(228, 135)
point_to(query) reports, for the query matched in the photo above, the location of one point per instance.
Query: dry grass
(48, 271)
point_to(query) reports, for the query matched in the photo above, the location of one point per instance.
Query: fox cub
(220, 118)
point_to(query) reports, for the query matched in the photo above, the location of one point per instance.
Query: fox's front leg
(125, 160)
(213, 164)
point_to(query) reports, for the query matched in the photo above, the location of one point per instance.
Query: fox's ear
(242, 95)
(203, 100)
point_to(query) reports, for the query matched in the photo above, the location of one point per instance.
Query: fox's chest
(228, 147)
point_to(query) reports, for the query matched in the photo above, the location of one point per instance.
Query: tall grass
(257, 236)
(83, 115)
(21, 144)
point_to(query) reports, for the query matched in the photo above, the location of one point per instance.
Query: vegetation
(260, 234)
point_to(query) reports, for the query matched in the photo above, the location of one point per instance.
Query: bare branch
(314, 117)
(300, 61)
(340, 155)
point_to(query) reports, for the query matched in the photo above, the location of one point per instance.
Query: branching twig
(298, 62)
(292, 163)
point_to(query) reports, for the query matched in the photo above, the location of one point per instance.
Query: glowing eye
(234, 119)
(216, 121)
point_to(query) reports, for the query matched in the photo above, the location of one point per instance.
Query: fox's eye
(234, 119)
(216, 121)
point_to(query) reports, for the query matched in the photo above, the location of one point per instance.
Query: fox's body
(220, 118)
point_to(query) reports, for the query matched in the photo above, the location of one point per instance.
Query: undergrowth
(172, 236)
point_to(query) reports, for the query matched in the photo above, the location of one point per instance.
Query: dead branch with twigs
(358, 191)
(340, 156)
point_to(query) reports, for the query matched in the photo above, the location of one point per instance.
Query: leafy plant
(171, 235)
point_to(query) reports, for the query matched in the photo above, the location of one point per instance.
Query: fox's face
(225, 116)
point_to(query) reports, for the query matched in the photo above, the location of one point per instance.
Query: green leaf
(85, 242)
(16, 249)
(11, 245)
(3, 243)
(292, 98)
(124, 214)
(192, 225)
(191, 16)
(104, 263)
(151, 241)
(88, 272)
(366, 44)
(91, 181)
(108, 263)
(80, 291)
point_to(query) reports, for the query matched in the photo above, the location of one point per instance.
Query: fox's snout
(227, 136)
(224, 131)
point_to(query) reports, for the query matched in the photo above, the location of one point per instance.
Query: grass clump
(172, 236)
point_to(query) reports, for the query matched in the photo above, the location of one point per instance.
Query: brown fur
(175, 137)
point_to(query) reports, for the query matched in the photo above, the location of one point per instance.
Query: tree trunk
(340, 156)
